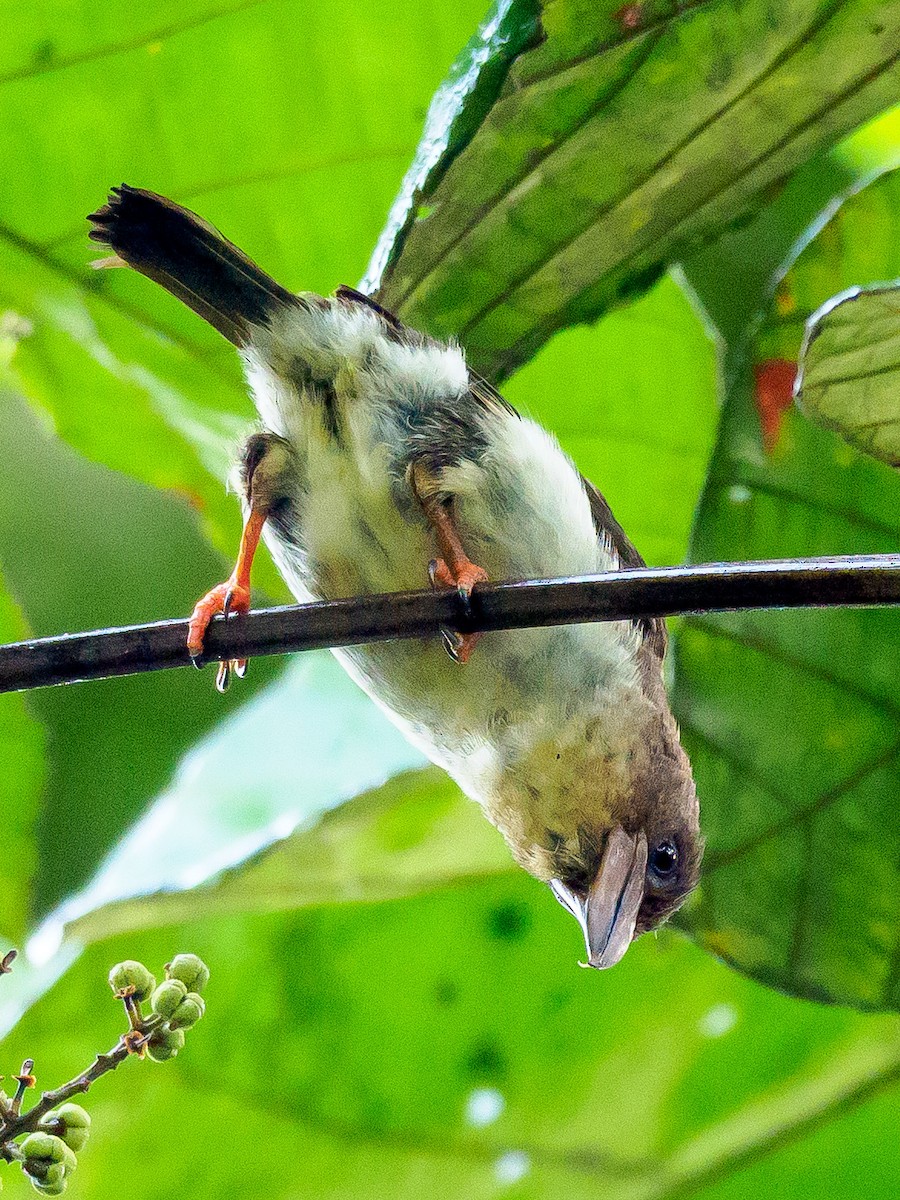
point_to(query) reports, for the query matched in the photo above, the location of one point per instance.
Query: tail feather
(190, 259)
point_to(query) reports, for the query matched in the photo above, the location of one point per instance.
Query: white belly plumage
(521, 510)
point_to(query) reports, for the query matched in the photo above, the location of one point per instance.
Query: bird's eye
(664, 860)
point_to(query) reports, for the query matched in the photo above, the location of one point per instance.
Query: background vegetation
(394, 1009)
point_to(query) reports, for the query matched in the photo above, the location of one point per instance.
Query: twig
(863, 580)
(13, 1123)
(101, 1065)
(24, 1081)
(7, 961)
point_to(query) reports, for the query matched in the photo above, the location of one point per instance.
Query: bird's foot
(229, 598)
(463, 578)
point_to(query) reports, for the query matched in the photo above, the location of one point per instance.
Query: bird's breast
(356, 528)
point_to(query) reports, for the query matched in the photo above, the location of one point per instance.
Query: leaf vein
(798, 44)
(163, 33)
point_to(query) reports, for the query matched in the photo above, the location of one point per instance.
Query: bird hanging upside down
(382, 459)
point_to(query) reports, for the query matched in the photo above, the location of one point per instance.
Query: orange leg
(455, 568)
(233, 596)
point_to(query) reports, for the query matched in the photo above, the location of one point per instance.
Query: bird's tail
(191, 259)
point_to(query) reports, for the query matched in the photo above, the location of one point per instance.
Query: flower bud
(132, 978)
(47, 1149)
(71, 1123)
(165, 1044)
(191, 970)
(53, 1182)
(188, 1012)
(167, 997)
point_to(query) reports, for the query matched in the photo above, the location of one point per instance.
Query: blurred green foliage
(395, 1009)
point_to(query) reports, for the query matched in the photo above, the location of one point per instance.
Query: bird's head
(630, 877)
(613, 827)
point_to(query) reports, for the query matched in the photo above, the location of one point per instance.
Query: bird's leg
(232, 596)
(265, 468)
(454, 568)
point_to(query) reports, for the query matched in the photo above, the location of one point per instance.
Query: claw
(453, 643)
(231, 599)
(458, 645)
(223, 676)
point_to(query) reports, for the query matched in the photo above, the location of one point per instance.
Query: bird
(382, 461)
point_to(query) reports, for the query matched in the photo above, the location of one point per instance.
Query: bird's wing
(606, 525)
(351, 296)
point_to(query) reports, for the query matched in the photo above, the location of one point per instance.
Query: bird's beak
(609, 913)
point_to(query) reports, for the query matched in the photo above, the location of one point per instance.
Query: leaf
(409, 836)
(791, 717)
(616, 144)
(633, 400)
(449, 1045)
(299, 166)
(850, 380)
(305, 745)
(83, 548)
(22, 755)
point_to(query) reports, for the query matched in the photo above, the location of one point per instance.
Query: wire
(862, 580)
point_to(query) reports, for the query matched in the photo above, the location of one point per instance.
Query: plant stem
(28, 1121)
(863, 580)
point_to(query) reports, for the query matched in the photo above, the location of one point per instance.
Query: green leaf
(22, 756)
(850, 370)
(409, 836)
(236, 109)
(83, 548)
(514, 231)
(633, 400)
(450, 1045)
(303, 746)
(122, 394)
(791, 717)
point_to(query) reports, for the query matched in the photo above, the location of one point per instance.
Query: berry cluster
(49, 1153)
(54, 1130)
(176, 1004)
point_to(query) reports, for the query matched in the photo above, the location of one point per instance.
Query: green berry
(47, 1148)
(132, 978)
(188, 1012)
(48, 1161)
(53, 1182)
(165, 1044)
(71, 1123)
(167, 997)
(191, 970)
